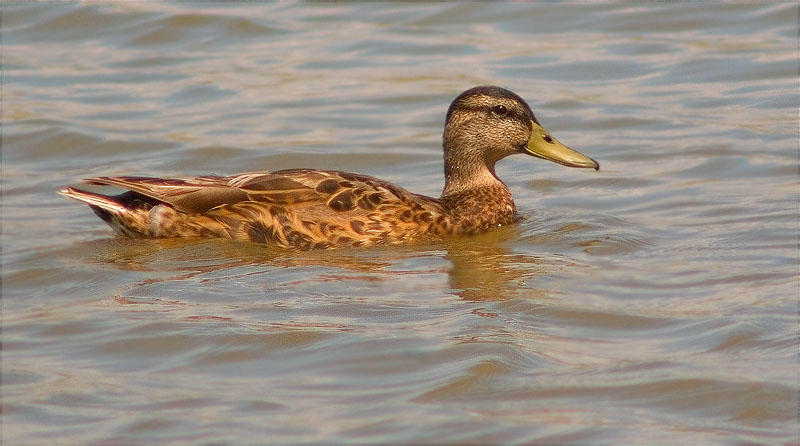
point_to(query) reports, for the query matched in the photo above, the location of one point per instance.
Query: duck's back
(297, 208)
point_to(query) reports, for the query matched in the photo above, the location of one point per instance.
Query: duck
(309, 209)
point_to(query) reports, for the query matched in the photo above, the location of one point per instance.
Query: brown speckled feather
(300, 208)
(309, 208)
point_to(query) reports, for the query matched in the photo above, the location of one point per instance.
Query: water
(654, 301)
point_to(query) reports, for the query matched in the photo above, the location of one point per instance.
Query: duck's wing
(340, 191)
(188, 195)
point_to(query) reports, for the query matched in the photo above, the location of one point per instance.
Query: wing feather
(192, 196)
(338, 191)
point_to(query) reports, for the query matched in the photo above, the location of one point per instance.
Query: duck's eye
(500, 109)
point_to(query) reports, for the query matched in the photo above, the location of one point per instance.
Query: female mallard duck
(309, 208)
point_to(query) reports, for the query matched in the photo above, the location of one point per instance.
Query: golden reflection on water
(481, 268)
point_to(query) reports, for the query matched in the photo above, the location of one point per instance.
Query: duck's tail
(127, 214)
(96, 201)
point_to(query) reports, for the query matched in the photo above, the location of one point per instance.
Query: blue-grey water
(652, 302)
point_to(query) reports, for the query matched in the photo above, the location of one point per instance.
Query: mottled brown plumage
(312, 209)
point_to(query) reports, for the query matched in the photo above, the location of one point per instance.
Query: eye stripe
(470, 107)
(485, 109)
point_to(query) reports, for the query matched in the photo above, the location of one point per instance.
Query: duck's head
(486, 124)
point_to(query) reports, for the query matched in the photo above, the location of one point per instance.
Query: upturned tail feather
(94, 200)
(127, 214)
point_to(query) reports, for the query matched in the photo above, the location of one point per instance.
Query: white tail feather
(89, 198)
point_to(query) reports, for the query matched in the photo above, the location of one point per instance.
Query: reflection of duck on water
(479, 268)
(307, 208)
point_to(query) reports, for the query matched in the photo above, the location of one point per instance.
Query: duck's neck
(474, 197)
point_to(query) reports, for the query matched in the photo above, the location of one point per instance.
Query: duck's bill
(542, 145)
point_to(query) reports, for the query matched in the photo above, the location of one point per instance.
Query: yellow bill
(542, 145)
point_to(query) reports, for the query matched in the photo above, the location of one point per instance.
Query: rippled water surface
(652, 302)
